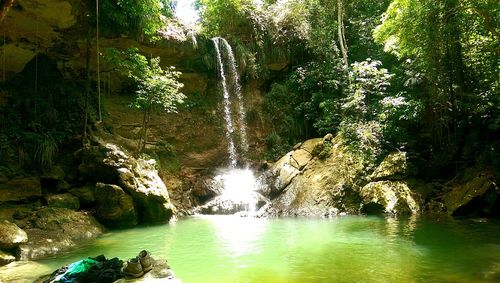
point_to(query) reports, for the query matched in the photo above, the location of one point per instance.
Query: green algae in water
(345, 249)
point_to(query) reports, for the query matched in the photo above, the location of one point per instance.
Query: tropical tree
(157, 89)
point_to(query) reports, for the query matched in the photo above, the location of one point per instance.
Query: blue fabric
(74, 270)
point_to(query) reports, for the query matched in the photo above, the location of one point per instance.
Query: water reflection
(239, 236)
(345, 249)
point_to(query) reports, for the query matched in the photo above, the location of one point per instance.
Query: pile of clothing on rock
(102, 270)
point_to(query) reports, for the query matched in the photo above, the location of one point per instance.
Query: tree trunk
(87, 89)
(144, 131)
(341, 32)
(453, 60)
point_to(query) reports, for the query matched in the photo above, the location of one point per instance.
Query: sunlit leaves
(135, 16)
(157, 87)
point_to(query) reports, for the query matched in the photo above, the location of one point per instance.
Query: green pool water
(345, 249)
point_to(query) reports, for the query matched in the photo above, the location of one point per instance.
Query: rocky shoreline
(320, 177)
(45, 215)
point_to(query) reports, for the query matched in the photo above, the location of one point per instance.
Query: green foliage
(225, 18)
(364, 138)
(361, 126)
(276, 147)
(157, 88)
(134, 17)
(368, 85)
(46, 150)
(448, 52)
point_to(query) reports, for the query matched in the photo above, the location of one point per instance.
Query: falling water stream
(227, 105)
(238, 184)
(237, 90)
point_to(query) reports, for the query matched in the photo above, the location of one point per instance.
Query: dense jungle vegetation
(414, 75)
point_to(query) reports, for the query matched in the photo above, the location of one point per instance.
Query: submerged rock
(56, 229)
(11, 235)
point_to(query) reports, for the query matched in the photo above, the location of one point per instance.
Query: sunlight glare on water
(239, 236)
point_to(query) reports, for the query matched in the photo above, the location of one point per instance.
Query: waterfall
(237, 185)
(227, 107)
(235, 89)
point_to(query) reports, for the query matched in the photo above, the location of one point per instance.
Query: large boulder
(115, 207)
(313, 180)
(281, 173)
(85, 195)
(109, 164)
(56, 229)
(393, 167)
(20, 189)
(389, 197)
(63, 201)
(148, 191)
(322, 177)
(11, 235)
(475, 195)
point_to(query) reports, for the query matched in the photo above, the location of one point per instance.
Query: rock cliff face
(322, 178)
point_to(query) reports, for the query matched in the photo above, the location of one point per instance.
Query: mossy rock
(115, 207)
(393, 167)
(11, 235)
(390, 197)
(63, 201)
